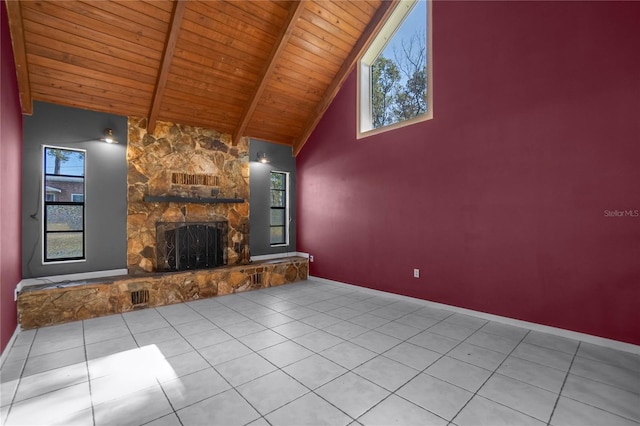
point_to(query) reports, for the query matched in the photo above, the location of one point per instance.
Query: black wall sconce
(109, 137)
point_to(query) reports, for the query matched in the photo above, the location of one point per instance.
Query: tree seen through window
(399, 74)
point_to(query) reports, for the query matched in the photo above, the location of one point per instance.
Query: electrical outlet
(416, 273)
(310, 258)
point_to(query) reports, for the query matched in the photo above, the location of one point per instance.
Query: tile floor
(311, 353)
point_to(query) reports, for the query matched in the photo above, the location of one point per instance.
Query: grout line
(21, 373)
(555, 405)
(10, 344)
(232, 387)
(489, 378)
(164, 392)
(86, 365)
(419, 372)
(423, 371)
(313, 354)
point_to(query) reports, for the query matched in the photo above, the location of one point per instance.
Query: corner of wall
(10, 193)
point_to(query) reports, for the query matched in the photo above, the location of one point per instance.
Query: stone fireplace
(192, 178)
(188, 212)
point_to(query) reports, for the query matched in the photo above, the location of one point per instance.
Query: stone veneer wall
(50, 304)
(176, 148)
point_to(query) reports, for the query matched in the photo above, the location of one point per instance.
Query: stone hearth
(50, 304)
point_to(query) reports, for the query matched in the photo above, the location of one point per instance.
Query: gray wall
(281, 160)
(105, 193)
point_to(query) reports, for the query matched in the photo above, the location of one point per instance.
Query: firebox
(182, 246)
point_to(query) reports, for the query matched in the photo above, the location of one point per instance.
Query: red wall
(500, 199)
(10, 178)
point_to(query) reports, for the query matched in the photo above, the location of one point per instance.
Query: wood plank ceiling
(259, 68)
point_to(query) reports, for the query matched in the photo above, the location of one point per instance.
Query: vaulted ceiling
(259, 68)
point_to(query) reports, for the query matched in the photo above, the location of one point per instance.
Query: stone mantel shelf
(175, 199)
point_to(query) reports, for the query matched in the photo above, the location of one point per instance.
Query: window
(64, 189)
(279, 221)
(394, 74)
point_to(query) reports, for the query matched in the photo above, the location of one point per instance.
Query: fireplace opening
(183, 246)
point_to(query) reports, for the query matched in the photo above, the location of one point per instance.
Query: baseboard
(5, 352)
(279, 256)
(588, 338)
(69, 277)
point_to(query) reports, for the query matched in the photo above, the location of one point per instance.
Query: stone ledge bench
(56, 303)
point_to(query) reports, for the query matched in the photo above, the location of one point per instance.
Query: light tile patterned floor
(311, 353)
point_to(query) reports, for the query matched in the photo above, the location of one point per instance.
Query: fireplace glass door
(191, 245)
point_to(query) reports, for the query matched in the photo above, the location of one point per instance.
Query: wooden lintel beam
(379, 18)
(165, 64)
(270, 65)
(14, 13)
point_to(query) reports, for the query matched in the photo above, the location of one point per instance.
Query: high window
(279, 221)
(63, 201)
(394, 74)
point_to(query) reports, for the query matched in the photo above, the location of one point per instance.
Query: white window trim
(287, 218)
(43, 234)
(364, 125)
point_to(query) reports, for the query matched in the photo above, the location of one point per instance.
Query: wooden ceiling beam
(167, 57)
(14, 13)
(380, 17)
(269, 67)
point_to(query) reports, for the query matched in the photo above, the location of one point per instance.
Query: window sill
(415, 120)
(58, 262)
